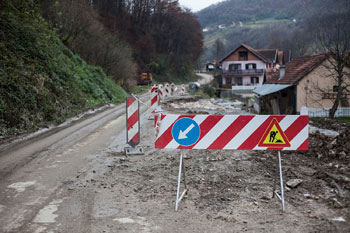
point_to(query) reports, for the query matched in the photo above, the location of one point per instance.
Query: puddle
(327, 132)
(106, 213)
(21, 186)
(338, 219)
(47, 214)
(124, 220)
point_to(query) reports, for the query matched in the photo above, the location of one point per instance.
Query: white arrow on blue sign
(186, 131)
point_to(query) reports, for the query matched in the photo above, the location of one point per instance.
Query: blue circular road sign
(186, 131)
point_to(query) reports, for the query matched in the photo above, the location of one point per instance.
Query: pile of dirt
(327, 123)
(323, 170)
(329, 148)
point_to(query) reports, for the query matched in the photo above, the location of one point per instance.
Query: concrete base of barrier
(138, 150)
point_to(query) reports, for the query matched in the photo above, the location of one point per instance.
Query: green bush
(41, 80)
(209, 90)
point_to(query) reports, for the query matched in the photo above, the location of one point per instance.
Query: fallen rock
(307, 171)
(336, 203)
(293, 183)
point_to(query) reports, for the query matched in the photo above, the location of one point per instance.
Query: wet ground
(228, 191)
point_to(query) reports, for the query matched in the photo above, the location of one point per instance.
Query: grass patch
(343, 119)
(136, 89)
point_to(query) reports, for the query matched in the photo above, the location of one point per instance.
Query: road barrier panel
(133, 126)
(155, 102)
(160, 91)
(173, 89)
(167, 90)
(183, 90)
(232, 132)
(154, 98)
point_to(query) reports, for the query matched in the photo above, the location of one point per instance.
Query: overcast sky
(196, 5)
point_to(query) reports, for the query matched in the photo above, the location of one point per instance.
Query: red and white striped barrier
(172, 89)
(132, 121)
(235, 132)
(154, 98)
(182, 92)
(160, 91)
(167, 90)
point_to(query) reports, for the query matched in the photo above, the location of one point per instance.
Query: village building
(305, 81)
(245, 68)
(210, 66)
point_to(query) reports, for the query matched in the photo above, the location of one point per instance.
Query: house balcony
(249, 72)
(234, 86)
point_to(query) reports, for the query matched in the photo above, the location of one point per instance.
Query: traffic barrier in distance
(154, 98)
(183, 90)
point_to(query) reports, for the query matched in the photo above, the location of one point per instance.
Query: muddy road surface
(79, 180)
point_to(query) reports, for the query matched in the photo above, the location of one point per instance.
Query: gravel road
(78, 180)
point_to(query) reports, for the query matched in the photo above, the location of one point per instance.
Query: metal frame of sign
(271, 147)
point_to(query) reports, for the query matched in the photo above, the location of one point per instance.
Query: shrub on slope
(40, 79)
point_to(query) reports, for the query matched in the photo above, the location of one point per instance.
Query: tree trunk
(339, 91)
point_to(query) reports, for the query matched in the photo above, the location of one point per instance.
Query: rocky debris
(206, 106)
(332, 124)
(293, 183)
(199, 105)
(322, 146)
(307, 170)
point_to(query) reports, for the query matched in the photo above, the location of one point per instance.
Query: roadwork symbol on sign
(186, 131)
(274, 137)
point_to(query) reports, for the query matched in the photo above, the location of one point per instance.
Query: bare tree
(334, 38)
(219, 49)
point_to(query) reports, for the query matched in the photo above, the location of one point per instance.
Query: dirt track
(229, 191)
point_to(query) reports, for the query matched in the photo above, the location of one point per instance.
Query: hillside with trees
(282, 24)
(230, 11)
(41, 80)
(122, 36)
(59, 58)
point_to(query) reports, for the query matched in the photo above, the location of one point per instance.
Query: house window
(235, 67)
(243, 56)
(250, 66)
(254, 80)
(239, 81)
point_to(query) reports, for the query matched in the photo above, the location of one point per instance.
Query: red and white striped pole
(182, 89)
(167, 90)
(132, 121)
(172, 89)
(160, 91)
(154, 98)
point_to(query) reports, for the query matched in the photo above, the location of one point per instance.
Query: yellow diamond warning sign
(274, 136)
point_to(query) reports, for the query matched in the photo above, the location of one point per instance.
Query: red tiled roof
(269, 54)
(272, 77)
(297, 69)
(250, 49)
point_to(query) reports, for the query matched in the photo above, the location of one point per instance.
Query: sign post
(232, 132)
(181, 168)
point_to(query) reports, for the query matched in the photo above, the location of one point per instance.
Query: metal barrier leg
(281, 183)
(281, 180)
(275, 177)
(183, 170)
(178, 197)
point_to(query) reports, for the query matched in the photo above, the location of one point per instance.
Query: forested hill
(251, 10)
(58, 58)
